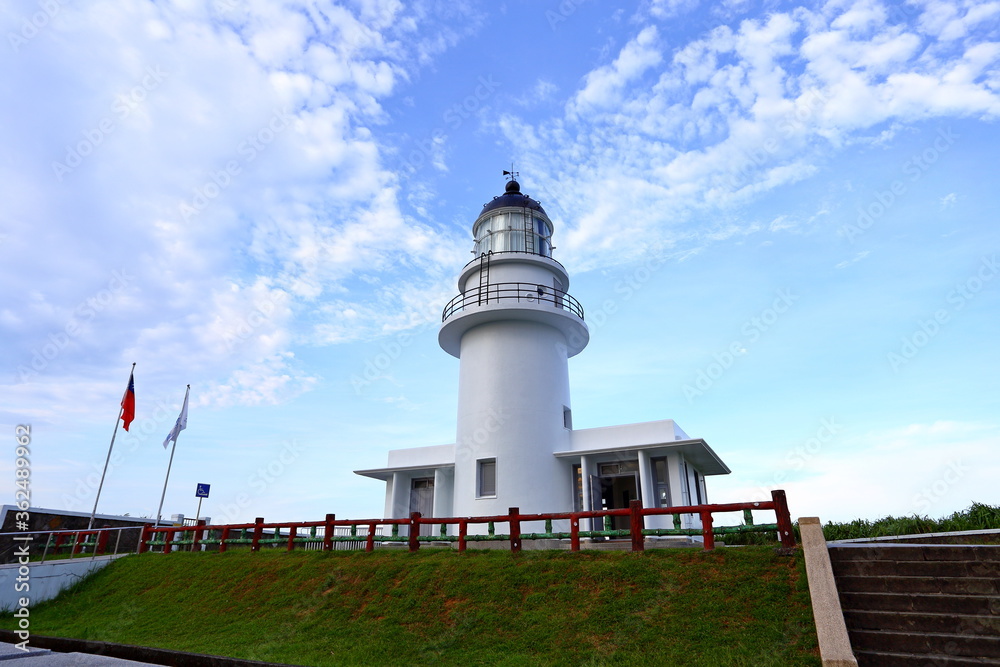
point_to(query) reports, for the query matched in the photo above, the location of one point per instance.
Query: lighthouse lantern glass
(507, 231)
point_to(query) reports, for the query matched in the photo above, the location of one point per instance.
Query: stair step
(892, 659)
(914, 568)
(943, 585)
(926, 643)
(906, 621)
(977, 605)
(917, 552)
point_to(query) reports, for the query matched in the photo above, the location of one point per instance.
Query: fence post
(785, 532)
(412, 540)
(635, 525)
(199, 533)
(515, 530)
(706, 530)
(291, 537)
(223, 538)
(102, 541)
(77, 544)
(370, 542)
(168, 536)
(328, 532)
(143, 538)
(258, 530)
(463, 530)
(574, 533)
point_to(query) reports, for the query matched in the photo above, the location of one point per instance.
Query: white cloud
(929, 469)
(604, 86)
(225, 162)
(853, 260)
(738, 113)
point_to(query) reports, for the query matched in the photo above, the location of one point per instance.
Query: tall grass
(977, 517)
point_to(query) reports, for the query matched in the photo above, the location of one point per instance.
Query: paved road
(42, 657)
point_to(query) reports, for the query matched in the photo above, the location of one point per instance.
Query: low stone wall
(45, 580)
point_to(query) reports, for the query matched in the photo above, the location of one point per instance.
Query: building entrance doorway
(614, 488)
(422, 500)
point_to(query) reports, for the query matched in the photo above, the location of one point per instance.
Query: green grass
(746, 606)
(976, 517)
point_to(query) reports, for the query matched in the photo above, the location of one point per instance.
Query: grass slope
(746, 606)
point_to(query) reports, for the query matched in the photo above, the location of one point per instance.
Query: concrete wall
(46, 580)
(627, 435)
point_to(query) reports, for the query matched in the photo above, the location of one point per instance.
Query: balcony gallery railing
(512, 292)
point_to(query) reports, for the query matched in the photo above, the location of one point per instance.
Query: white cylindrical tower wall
(513, 390)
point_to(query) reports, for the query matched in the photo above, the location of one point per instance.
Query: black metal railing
(516, 292)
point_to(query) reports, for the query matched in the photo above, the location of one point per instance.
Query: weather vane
(511, 174)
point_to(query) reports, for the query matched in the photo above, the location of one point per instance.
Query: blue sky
(781, 222)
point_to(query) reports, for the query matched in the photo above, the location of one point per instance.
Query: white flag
(182, 421)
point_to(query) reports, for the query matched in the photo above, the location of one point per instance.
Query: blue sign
(202, 491)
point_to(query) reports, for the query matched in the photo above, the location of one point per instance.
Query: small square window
(487, 485)
(567, 418)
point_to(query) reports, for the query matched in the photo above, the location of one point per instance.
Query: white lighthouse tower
(513, 327)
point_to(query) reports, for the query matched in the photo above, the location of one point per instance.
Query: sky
(780, 218)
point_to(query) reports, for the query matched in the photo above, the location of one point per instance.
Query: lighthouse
(514, 326)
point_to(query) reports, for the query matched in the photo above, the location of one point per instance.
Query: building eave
(694, 450)
(385, 474)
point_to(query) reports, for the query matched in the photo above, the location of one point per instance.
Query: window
(577, 488)
(622, 468)
(567, 418)
(661, 482)
(487, 479)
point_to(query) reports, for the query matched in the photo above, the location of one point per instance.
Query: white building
(513, 328)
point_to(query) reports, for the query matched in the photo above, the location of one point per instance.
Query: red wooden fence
(514, 519)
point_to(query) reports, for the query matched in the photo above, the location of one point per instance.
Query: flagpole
(121, 410)
(159, 510)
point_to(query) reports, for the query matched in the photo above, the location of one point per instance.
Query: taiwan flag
(128, 402)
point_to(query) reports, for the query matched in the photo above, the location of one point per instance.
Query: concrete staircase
(920, 604)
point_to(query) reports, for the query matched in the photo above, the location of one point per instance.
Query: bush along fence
(332, 533)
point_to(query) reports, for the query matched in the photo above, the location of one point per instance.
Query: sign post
(201, 492)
